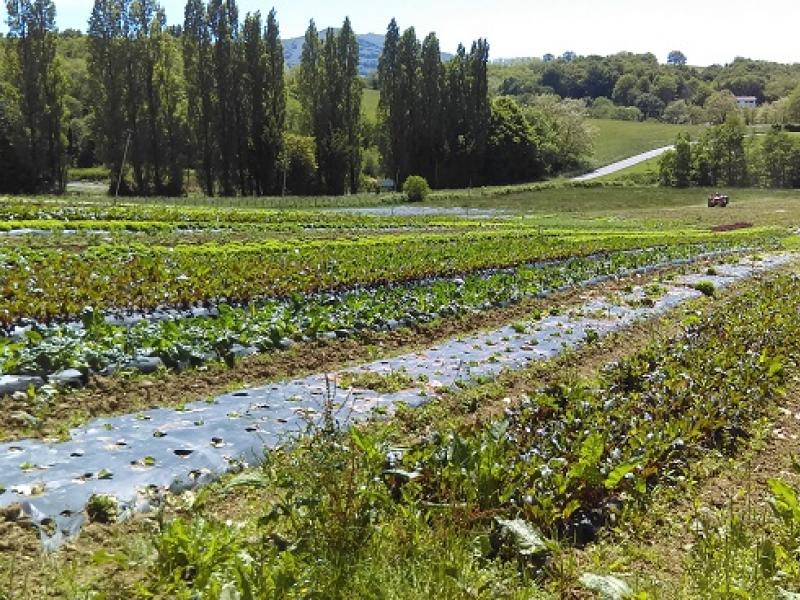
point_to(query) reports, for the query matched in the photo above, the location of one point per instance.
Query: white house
(746, 101)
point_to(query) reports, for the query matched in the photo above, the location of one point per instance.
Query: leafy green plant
(416, 188)
(706, 288)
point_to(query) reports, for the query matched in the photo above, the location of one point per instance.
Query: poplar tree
(275, 104)
(224, 29)
(255, 88)
(330, 90)
(389, 106)
(431, 112)
(197, 56)
(38, 79)
(352, 92)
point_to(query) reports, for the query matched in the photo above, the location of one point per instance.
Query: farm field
(501, 390)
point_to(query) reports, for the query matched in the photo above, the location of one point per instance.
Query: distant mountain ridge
(370, 47)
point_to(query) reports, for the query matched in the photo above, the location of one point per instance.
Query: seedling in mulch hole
(27, 466)
(711, 271)
(655, 290)
(554, 311)
(159, 434)
(2, 490)
(149, 461)
(105, 474)
(592, 336)
(385, 383)
(519, 327)
(108, 426)
(705, 287)
(102, 509)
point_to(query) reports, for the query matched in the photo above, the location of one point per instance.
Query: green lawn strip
(643, 173)
(617, 140)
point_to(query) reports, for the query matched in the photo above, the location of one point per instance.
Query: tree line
(636, 86)
(209, 105)
(435, 115)
(725, 156)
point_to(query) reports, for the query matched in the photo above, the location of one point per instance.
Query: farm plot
(496, 508)
(48, 284)
(107, 343)
(168, 449)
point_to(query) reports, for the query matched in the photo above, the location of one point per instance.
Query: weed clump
(706, 288)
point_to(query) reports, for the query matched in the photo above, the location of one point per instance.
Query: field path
(135, 457)
(623, 164)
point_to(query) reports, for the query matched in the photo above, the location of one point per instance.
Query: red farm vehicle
(718, 200)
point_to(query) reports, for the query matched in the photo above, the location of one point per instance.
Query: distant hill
(370, 46)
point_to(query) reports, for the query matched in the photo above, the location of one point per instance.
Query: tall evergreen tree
(330, 135)
(139, 115)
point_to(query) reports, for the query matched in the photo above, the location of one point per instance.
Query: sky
(707, 31)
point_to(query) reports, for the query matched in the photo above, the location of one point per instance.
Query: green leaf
(570, 508)
(254, 480)
(783, 495)
(618, 474)
(607, 587)
(526, 538)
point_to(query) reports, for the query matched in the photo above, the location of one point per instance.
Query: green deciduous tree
(197, 56)
(683, 161)
(36, 74)
(139, 96)
(513, 148)
(330, 89)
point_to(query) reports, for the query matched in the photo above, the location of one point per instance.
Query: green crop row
(484, 509)
(48, 283)
(14, 211)
(180, 342)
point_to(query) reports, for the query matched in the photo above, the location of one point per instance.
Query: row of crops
(179, 340)
(14, 215)
(563, 463)
(47, 283)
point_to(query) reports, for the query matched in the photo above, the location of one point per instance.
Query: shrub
(416, 188)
